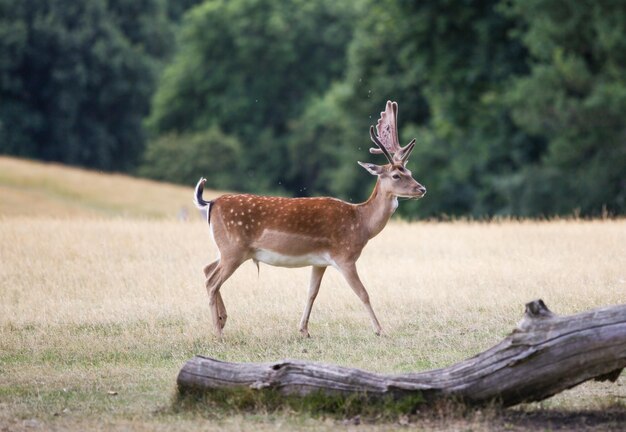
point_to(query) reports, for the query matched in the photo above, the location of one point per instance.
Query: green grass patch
(316, 404)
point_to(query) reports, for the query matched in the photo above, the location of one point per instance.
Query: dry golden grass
(36, 189)
(91, 306)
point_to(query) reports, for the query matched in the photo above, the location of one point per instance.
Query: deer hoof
(222, 321)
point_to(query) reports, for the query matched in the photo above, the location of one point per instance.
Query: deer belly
(280, 260)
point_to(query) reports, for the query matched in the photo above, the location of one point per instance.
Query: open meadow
(98, 312)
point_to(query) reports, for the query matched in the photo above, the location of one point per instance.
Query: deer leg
(349, 272)
(208, 269)
(221, 272)
(220, 303)
(221, 309)
(316, 279)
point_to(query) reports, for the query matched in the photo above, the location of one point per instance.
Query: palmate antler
(386, 136)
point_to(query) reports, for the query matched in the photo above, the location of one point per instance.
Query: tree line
(517, 105)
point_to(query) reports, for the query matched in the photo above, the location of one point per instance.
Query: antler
(386, 137)
(381, 147)
(387, 129)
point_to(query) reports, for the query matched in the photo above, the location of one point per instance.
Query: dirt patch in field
(610, 419)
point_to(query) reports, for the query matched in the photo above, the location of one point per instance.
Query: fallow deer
(299, 232)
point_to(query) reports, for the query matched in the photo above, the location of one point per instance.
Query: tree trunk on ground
(544, 355)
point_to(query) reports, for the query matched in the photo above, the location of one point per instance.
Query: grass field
(99, 313)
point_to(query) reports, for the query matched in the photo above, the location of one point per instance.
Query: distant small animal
(316, 232)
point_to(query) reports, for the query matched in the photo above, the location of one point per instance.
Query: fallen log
(544, 355)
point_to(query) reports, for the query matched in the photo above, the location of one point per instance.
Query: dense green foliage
(517, 105)
(444, 62)
(574, 101)
(76, 77)
(185, 156)
(249, 67)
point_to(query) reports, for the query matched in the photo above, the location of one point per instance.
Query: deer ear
(372, 168)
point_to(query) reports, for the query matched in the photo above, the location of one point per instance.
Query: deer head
(394, 177)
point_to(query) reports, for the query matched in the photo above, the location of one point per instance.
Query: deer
(319, 232)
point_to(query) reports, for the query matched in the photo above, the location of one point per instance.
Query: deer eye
(395, 177)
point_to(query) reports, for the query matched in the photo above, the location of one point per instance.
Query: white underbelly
(321, 259)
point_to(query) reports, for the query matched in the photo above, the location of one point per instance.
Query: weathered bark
(544, 355)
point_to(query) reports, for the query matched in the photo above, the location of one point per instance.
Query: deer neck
(377, 210)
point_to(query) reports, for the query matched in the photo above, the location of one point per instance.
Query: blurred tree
(183, 158)
(323, 149)
(251, 67)
(76, 77)
(446, 63)
(574, 99)
(177, 8)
